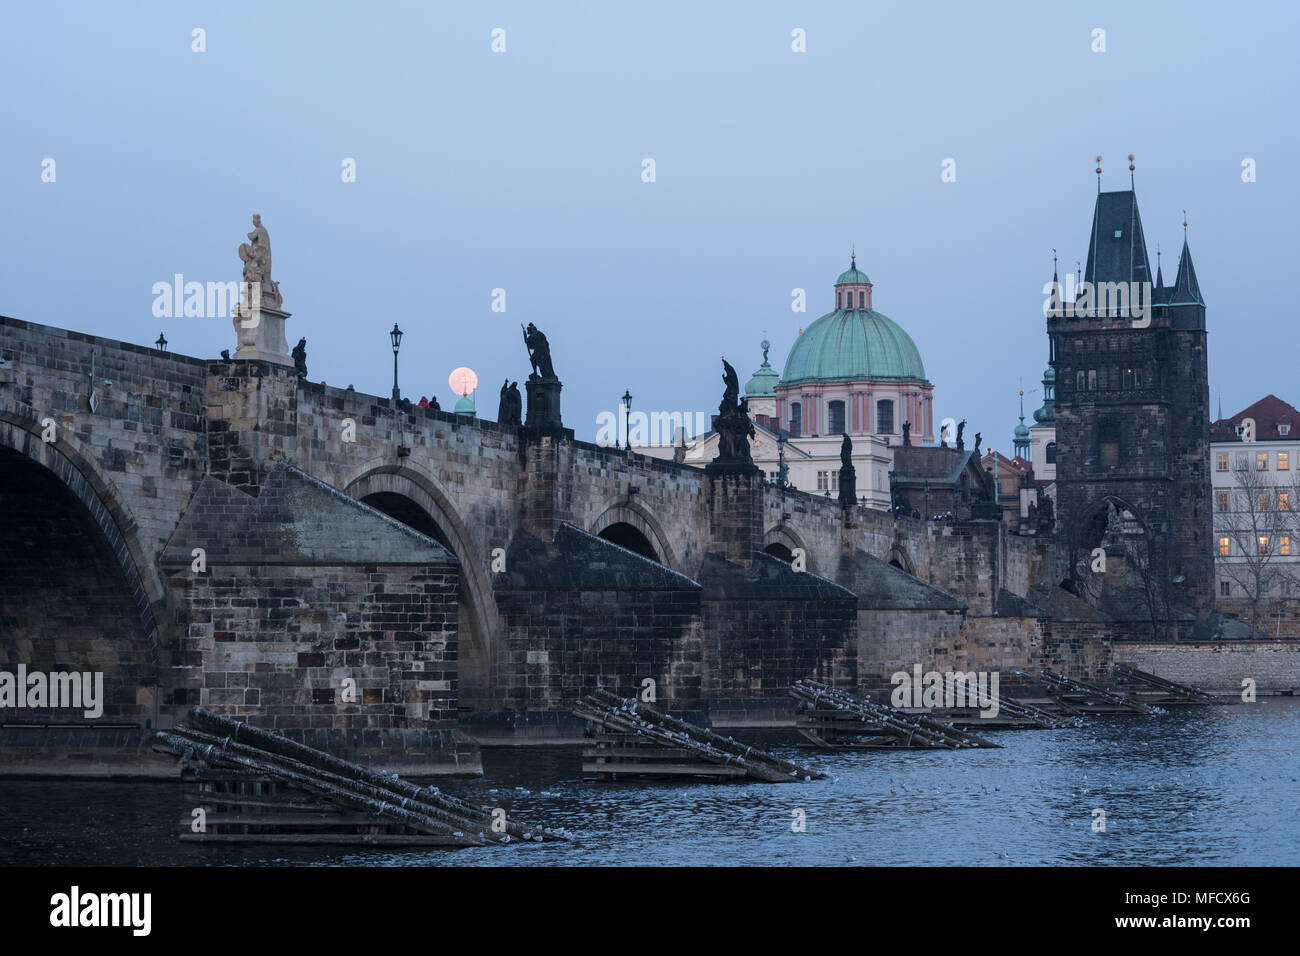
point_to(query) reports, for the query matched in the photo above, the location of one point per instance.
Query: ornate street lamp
(627, 420)
(396, 336)
(161, 343)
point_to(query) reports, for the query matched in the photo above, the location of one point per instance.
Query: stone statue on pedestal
(907, 433)
(961, 427)
(300, 357)
(848, 474)
(733, 425)
(539, 353)
(256, 254)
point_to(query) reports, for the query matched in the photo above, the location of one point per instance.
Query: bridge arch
(637, 517)
(900, 559)
(414, 497)
(781, 540)
(76, 588)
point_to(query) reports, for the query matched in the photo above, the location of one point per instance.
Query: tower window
(839, 300)
(1051, 453)
(885, 417)
(1137, 378)
(835, 414)
(796, 420)
(862, 298)
(1108, 435)
(1092, 380)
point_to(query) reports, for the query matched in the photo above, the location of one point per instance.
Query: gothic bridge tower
(1132, 410)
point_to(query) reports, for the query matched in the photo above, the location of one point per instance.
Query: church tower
(1132, 408)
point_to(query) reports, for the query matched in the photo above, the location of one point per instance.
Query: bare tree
(1261, 516)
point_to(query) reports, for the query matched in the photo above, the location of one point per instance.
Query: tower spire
(1098, 175)
(1130, 173)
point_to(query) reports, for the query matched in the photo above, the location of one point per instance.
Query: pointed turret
(1117, 248)
(1186, 289)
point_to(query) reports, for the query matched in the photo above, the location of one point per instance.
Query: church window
(885, 417)
(1283, 461)
(1223, 461)
(1051, 453)
(1261, 461)
(835, 413)
(839, 300)
(1224, 548)
(1222, 499)
(862, 298)
(796, 420)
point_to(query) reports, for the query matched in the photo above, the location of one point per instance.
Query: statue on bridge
(961, 427)
(539, 353)
(732, 424)
(907, 434)
(510, 410)
(300, 357)
(848, 474)
(256, 254)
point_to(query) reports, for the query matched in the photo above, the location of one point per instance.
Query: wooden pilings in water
(257, 786)
(833, 719)
(1164, 692)
(1078, 697)
(630, 739)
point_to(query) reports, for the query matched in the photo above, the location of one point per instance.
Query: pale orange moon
(462, 380)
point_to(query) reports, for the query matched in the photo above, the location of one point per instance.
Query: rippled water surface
(1212, 786)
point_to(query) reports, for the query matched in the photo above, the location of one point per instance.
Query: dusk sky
(522, 171)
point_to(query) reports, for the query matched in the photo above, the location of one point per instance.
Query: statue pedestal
(544, 404)
(261, 335)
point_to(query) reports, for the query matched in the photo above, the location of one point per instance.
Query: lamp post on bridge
(396, 337)
(161, 343)
(627, 420)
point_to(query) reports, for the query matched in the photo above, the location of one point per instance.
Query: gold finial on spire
(1130, 170)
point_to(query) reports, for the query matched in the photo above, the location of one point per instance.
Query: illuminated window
(1128, 378)
(1261, 461)
(1283, 461)
(1261, 501)
(1222, 498)
(1223, 547)
(1223, 461)
(1284, 544)
(1284, 501)
(1263, 544)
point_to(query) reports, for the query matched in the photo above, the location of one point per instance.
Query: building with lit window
(1254, 484)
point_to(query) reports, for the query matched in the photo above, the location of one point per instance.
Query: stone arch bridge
(224, 533)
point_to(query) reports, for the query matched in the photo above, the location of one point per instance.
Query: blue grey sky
(522, 170)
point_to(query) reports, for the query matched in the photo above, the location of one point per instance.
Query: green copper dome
(763, 383)
(465, 406)
(1022, 431)
(853, 345)
(854, 274)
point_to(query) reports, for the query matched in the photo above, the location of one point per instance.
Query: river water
(1192, 787)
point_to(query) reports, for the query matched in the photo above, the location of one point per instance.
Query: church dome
(465, 406)
(850, 345)
(1022, 433)
(853, 275)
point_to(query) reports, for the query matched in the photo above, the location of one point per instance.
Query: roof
(882, 586)
(763, 382)
(577, 560)
(853, 275)
(853, 345)
(928, 462)
(1269, 412)
(295, 520)
(1186, 291)
(1117, 248)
